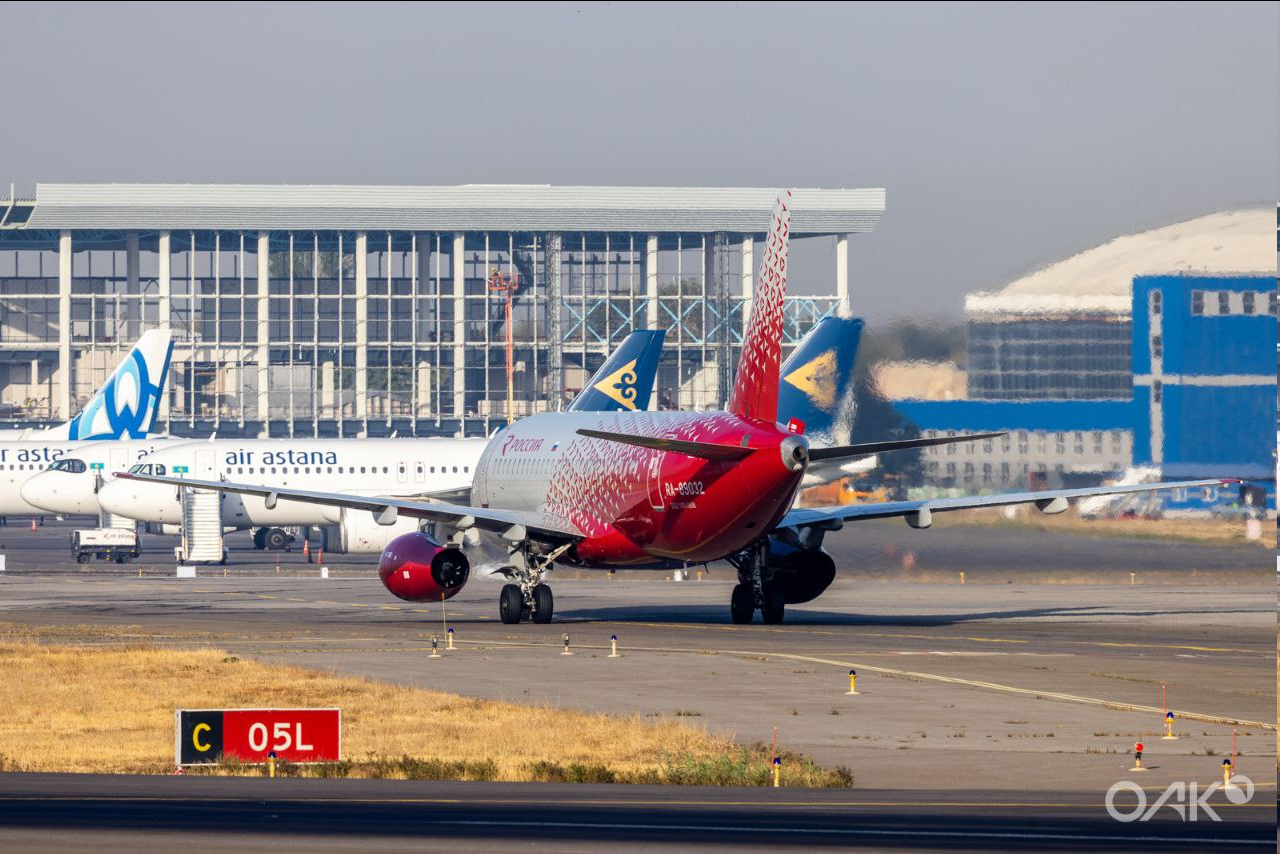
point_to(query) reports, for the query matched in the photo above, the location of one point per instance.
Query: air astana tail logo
(620, 386)
(817, 379)
(123, 407)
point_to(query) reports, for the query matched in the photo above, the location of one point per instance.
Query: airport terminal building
(373, 310)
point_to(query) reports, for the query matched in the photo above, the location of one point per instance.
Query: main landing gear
(528, 598)
(755, 589)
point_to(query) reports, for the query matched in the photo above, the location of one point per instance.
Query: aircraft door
(119, 461)
(656, 500)
(206, 465)
(402, 472)
(419, 472)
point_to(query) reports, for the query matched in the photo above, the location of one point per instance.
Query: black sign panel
(199, 737)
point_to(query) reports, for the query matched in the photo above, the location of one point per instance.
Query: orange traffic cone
(33, 524)
(306, 549)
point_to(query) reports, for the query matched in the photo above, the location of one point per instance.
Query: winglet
(755, 389)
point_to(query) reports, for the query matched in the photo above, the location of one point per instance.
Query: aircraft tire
(742, 606)
(775, 605)
(543, 604)
(260, 539)
(510, 604)
(275, 540)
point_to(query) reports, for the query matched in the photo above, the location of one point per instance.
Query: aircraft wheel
(742, 605)
(543, 604)
(260, 539)
(510, 604)
(275, 539)
(775, 605)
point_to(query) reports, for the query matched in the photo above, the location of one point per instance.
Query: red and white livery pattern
(755, 390)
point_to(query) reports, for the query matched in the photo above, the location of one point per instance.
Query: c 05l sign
(207, 736)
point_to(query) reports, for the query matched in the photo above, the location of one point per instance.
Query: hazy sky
(1007, 136)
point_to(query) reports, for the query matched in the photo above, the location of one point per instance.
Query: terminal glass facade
(306, 333)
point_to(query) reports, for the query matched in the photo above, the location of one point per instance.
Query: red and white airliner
(650, 489)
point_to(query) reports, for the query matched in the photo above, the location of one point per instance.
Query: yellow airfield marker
(853, 683)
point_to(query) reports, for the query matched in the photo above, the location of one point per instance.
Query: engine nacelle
(801, 574)
(357, 532)
(417, 568)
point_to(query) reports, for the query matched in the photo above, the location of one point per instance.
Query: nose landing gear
(528, 598)
(512, 607)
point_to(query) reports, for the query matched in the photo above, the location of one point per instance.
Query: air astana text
(281, 458)
(31, 455)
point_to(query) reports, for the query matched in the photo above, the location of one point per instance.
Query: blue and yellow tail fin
(624, 382)
(817, 381)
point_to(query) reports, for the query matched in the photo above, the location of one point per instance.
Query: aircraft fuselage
(632, 505)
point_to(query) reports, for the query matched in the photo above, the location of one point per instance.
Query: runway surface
(152, 813)
(1025, 691)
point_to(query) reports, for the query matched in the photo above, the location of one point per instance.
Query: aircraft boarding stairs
(201, 528)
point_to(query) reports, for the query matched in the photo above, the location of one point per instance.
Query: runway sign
(207, 736)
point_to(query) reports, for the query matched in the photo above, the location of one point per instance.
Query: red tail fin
(755, 391)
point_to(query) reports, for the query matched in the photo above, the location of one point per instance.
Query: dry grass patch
(111, 710)
(1191, 530)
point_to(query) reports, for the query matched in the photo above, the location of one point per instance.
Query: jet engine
(357, 532)
(801, 574)
(415, 567)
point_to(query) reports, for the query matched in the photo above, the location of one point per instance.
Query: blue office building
(1202, 402)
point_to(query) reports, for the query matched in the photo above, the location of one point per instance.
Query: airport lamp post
(507, 285)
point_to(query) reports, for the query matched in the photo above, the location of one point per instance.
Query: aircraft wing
(384, 507)
(1049, 500)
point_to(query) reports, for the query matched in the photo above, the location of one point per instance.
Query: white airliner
(126, 404)
(81, 465)
(439, 468)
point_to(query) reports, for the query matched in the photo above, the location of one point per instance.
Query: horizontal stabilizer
(702, 450)
(868, 448)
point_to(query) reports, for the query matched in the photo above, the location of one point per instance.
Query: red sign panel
(205, 736)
